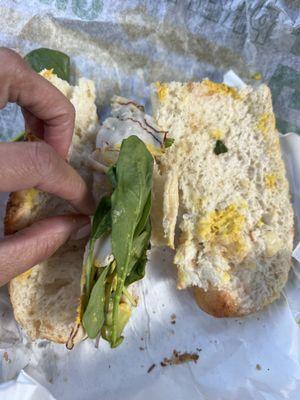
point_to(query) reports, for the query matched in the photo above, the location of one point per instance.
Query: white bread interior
(234, 215)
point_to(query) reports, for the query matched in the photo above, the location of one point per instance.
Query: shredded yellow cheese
(213, 88)
(161, 90)
(217, 134)
(25, 274)
(224, 227)
(266, 123)
(47, 73)
(270, 181)
(224, 275)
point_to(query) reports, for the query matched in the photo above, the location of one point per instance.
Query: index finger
(36, 165)
(19, 84)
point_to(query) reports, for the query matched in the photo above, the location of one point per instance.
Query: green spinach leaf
(42, 58)
(168, 142)
(220, 148)
(144, 217)
(127, 215)
(138, 256)
(94, 317)
(102, 218)
(134, 182)
(138, 271)
(123, 317)
(19, 138)
(111, 174)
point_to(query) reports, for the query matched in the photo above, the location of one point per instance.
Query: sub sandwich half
(226, 206)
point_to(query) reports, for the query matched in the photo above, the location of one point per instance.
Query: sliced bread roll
(233, 212)
(45, 298)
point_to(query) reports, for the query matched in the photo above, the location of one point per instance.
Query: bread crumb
(173, 319)
(151, 368)
(179, 358)
(5, 356)
(258, 367)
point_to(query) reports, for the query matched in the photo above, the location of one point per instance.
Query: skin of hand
(49, 115)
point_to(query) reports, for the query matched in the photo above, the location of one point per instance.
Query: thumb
(36, 243)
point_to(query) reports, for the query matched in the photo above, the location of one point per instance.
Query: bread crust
(14, 217)
(217, 303)
(13, 286)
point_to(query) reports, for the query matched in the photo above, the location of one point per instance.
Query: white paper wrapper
(124, 47)
(25, 388)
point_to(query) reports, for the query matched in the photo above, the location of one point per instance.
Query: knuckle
(9, 54)
(13, 61)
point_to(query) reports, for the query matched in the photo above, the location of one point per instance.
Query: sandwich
(85, 289)
(203, 176)
(226, 204)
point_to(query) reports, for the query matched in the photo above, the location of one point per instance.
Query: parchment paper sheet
(124, 46)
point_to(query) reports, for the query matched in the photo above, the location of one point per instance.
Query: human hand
(49, 115)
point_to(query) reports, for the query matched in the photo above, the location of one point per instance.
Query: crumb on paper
(179, 358)
(5, 356)
(151, 368)
(50, 380)
(258, 367)
(173, 319)
(142, 348)
(198, 349)
(142, 338)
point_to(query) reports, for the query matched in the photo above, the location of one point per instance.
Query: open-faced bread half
(46, 297)
(227, 194)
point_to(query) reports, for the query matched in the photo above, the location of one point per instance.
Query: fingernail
(81, 233)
